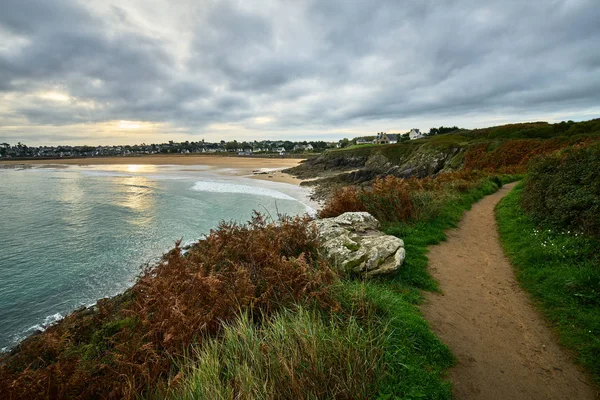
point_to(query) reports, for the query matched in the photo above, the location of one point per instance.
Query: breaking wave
(221, 187)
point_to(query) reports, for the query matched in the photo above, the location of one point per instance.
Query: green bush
(563, 190)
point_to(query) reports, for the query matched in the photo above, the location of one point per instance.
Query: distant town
(280, 147)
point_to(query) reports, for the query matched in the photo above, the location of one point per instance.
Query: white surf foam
(42, 326)
(267, 170)
(222, 187)
(48, 321)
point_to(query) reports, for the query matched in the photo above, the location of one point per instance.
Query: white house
(308, 147)
(415, 134)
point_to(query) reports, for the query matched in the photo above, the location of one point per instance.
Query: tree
(441, 130)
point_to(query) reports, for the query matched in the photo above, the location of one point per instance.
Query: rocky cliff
(360, 166)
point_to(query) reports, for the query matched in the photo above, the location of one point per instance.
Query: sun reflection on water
(137, 193)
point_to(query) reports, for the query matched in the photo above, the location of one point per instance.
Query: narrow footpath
(504, 347)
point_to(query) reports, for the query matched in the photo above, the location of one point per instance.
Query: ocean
(72, 235)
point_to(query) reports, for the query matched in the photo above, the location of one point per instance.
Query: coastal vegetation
(255, 310)
(218, 308)
(409, 359)
(549, 229)
(128, 343)
(563, 190)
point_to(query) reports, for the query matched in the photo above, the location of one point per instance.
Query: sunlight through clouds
(224, 70)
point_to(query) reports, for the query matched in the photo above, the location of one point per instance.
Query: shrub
(563, 190)
(389, 199)
(392, 199)
(130, 343)
(344, 200)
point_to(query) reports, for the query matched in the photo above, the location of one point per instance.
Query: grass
(296, 354)
(391, 199)
(416, 356)
(561, 270)
(416, 359)
(376, 345)
(357, 146)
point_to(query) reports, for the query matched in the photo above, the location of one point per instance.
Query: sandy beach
(269, 168)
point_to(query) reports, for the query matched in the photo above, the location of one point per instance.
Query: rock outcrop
(354, 244)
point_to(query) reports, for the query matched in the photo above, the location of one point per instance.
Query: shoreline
(263, 168)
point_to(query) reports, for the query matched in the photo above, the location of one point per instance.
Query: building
(415, 134)
(303, 147)
(382, 138)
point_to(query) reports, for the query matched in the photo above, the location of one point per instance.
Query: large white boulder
(354, 244)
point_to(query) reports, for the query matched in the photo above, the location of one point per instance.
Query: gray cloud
(310, 66)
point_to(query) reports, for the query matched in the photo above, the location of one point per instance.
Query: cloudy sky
(133, 71)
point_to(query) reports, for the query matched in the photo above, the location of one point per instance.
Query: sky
(148, 71)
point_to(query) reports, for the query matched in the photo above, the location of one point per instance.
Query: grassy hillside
(506, 148)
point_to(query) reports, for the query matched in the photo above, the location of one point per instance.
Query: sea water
(70, 236)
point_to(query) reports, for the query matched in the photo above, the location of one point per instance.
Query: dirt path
(505, 349)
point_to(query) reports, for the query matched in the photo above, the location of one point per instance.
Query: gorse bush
(293, 355)
(130, 343)
(563, 190)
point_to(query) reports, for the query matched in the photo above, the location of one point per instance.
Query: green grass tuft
(296, 354)
(415, 359)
